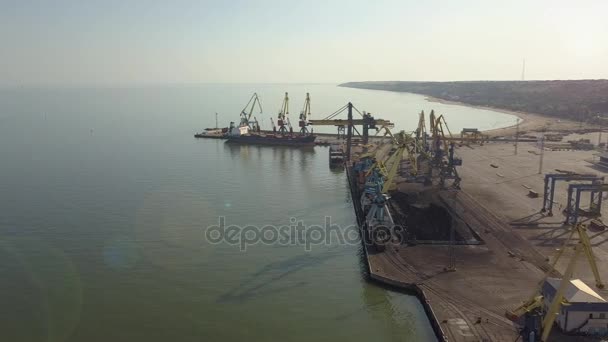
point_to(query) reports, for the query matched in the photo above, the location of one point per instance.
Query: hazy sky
(131, 41)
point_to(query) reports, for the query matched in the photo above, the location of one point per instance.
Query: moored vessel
(249, 132)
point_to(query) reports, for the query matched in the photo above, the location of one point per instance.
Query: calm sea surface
(105, 198)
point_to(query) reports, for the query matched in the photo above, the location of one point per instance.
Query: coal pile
(429, 222)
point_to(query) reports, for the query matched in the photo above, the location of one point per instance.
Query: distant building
(585, 312)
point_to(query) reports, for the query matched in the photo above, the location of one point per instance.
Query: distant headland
(580, 100)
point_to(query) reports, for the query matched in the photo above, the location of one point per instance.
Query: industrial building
(586, 311)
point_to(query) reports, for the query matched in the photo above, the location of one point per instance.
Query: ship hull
(277, 140)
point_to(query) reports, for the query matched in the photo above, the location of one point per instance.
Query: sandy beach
(529, 122)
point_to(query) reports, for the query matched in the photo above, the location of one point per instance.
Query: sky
(282, 41)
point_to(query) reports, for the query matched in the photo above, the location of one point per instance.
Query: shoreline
(528, 121)
(522, 116)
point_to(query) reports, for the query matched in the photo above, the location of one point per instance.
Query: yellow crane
(402, 144)
(421, 133)
(283, 117)
(536, 300)
(304, 116)
(438, 128)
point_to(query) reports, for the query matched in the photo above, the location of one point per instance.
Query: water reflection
(278, 152)
(43, 299)
(264, 280)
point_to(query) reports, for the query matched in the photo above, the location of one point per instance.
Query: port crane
(421, 135)
(304, 115)
(283, 118)
(247, 114)
(533, 307)
(440, 154)
(406, 143)
(388, 169)
(367, 121)
(444, 158)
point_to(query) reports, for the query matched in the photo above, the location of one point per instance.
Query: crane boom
(356, 122)
(246, 115)
(394, 161)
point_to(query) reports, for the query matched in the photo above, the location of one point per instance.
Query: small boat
(336, 156)
(213, 133)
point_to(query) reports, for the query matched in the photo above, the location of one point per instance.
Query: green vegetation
(577, 100)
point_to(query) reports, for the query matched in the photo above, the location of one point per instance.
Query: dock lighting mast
(599, 138)
(282, 118)
(542, 152)
(517, 136)
(304, 115)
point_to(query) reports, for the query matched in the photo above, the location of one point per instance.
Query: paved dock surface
(507, 197)
(470, 302)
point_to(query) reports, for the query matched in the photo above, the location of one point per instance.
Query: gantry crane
(367, 121)
(304, 115)
(534, 305)
(246, 115)
(283, 117)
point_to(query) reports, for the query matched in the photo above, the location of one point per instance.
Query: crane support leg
(551, 314)
(582, 232)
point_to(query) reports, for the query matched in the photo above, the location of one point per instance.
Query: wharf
(467, 304)
(514, 245)
(323, 139)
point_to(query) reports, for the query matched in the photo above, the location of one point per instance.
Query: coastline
(528, 121)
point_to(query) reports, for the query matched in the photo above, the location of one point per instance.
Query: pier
(471, 262)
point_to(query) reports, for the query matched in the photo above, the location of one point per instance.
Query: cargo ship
(378, 229)
(249, 132)
(243, 135)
